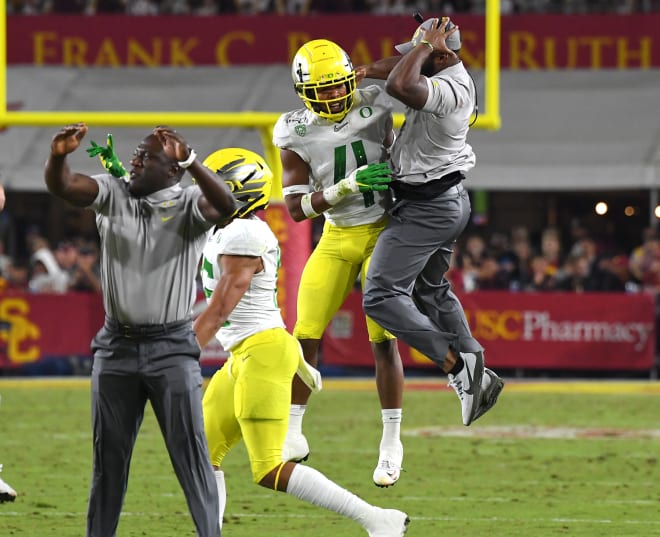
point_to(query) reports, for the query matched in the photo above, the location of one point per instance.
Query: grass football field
(556, 458)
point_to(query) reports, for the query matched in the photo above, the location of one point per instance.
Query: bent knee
(267, 473)
(373, 302)
(262, 471)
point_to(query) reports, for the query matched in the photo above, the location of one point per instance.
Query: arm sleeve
(445, 96)
(108, 185)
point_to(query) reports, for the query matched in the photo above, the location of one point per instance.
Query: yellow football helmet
(320, 64)
(246, 174)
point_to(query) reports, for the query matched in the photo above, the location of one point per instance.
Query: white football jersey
(257, 310)
(334, 149)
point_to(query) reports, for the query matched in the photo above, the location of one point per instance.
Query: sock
(310, 485)
(457, 366)
(222, 493)
(391, 429)
(296, 414)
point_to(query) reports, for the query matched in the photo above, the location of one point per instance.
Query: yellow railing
(262, 121)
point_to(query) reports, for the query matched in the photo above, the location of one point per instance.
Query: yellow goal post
(262, 121)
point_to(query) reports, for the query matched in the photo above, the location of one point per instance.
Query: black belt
(429, 190)
(143, 330)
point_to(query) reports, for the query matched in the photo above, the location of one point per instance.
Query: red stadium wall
(560, 331)
(528, 41)
(36, 326)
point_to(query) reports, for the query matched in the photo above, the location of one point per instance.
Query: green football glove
(108, 157)
(366, 178)
(373, 177)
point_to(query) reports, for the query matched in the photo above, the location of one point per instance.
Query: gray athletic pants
(133, 365)
(405, 290)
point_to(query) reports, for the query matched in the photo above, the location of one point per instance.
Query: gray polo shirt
(150, 249)
(432, 142)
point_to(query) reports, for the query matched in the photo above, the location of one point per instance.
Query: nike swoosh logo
(166, 218)
(340, 127)
(470, 390)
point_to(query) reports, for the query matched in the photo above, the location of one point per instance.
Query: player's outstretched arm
(379, 70)
(76, 188)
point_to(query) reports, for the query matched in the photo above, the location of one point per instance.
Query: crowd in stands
(482, 261)
(513, 262)
(71, 266)
(307, 7)
(572, 260)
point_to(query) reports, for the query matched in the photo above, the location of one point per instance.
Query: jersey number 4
(360, 159)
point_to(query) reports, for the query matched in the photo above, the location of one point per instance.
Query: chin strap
(108, 157)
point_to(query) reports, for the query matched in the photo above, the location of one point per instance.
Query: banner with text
(36, 326)
(47, 326)
(527, 41)
(524, 330)
(601, 331)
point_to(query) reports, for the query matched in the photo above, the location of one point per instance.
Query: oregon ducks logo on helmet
(246, 174)
(318, 67)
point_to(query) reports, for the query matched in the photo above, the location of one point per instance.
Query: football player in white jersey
(332, 152)
(250, 396)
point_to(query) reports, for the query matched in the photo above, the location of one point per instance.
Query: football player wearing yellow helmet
(246, 174)
(250, 396)
(324, 79)
(333, 154)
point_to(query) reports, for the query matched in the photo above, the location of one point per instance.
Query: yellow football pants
(250, 397)
(329, 275)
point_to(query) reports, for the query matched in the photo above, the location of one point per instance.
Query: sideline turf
(501, 485)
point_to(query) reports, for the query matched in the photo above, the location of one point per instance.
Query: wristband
(188, 162)
(332, 195)
(306, 206)
(337, 192)
(425, 42)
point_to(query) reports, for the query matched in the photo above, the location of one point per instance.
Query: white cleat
(388, 470)
(295, 448)
(387, 523)
(7, 494)
(467, 384)
(386, 473)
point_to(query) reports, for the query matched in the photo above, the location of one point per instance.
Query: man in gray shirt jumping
(152, 234)
(406, 290)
